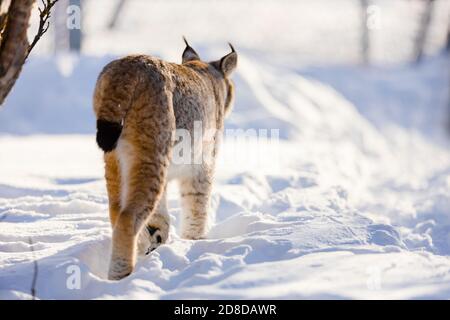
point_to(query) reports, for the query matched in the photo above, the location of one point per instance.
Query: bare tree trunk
(4, 5)
(14, 44)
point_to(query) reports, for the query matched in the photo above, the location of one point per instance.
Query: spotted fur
(139, 101)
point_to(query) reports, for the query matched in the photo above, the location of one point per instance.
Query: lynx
(140, 101)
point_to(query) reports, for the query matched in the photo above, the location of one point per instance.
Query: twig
(44, 15)
(35, 270)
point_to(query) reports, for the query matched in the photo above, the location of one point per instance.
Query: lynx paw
(151, 237)
(156, 237)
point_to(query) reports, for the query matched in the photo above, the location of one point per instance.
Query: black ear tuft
(228, 63)
(108, 133)
(189, 53)
(231, 46)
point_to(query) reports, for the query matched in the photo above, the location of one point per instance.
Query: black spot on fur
(159, 239)
(107, 134)
(152, 230)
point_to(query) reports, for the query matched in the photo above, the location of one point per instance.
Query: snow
(352, 201)
(338, 208)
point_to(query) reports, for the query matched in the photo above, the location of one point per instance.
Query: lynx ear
(189, 54)
(228, 63)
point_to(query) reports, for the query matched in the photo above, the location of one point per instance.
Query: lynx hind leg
(143, 151)
(156, 231)
(112, 177)
(143, 186)
(195, 195)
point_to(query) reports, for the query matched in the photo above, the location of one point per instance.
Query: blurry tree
(14, 45)
(447, 47)
(447, 50)
(421, 38)
(117, 10)
(67, 26)
(365, 40)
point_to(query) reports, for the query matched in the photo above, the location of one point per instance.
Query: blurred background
(384, 56)
(296, 31)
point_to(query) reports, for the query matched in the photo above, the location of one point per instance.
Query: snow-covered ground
(353, 201)
(340, 207)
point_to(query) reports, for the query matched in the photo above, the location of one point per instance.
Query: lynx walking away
(139, 101)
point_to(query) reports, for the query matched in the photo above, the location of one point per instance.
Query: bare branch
(44, 23)
(35, 270)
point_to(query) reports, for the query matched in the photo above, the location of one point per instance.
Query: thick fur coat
(141, 103)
